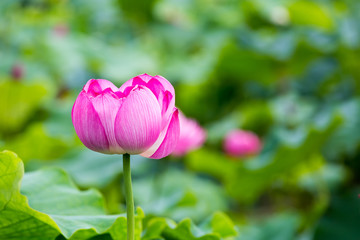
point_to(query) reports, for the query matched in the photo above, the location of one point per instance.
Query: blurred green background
(287, 70)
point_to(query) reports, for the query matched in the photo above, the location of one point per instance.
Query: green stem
(129, 197)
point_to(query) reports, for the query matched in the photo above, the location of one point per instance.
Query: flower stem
(129, 197)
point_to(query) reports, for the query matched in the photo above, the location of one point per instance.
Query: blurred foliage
(179, 195)
(295, 146)
(18, 104)
(288, 70)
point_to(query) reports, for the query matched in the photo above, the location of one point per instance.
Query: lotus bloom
(192, 136)
(239, 143)
(138, 118)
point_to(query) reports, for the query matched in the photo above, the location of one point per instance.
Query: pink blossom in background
(17, 71)
(239, 143)
(192, 136)
(138, 118)
(61, 30)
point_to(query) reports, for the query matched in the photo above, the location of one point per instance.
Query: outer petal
(167, 140)
(107, 105)
(98, 85)
(138, 121)
(88, 126)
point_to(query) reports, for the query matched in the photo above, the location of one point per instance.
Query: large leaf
(49, 204)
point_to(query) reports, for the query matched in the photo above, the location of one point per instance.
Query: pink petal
(98, 85)
(87, 124)
(167, 85)
(107, 105)
(162, 89)
(165, 94)
(167, 140)
(154, 83)
(155, 86)
(167, 104)
(138, 121)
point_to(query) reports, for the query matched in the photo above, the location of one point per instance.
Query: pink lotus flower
(138, 118)
(239, 143)
(192, 136)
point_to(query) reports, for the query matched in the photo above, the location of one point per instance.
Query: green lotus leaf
(48, 204)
